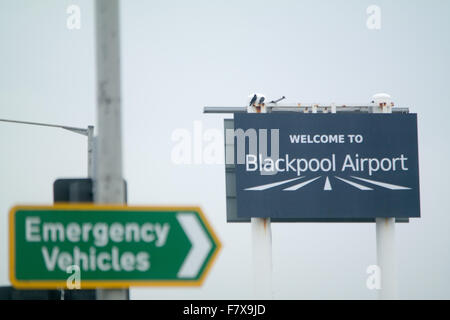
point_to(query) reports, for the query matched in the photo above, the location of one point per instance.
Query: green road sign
(111, 246)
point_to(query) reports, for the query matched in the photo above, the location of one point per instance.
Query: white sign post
(385, 229)
(109, 186)
(261, 246)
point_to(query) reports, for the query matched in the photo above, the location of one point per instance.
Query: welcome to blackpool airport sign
(326, 166)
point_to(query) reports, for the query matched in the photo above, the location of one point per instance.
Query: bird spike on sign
(257, 103)
(278, 100)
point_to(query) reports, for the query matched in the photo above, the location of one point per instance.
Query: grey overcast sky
(178, 56)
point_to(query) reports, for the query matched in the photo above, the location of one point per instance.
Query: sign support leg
(386, 258)
(385, 231)
(261, 244)
(262, 257)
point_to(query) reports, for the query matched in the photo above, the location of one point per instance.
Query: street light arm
(88, 132)
(81, 131)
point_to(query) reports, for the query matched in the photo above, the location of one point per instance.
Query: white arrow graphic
(271, 185)
(201, 245)
(354, 184)
(327, 186)
(300, 185)
(383, 184)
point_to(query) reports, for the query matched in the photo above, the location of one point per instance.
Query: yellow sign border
(107, 284)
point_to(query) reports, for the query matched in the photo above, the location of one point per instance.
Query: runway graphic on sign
(327, 186)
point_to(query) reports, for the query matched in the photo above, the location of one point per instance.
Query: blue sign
(326, 166)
